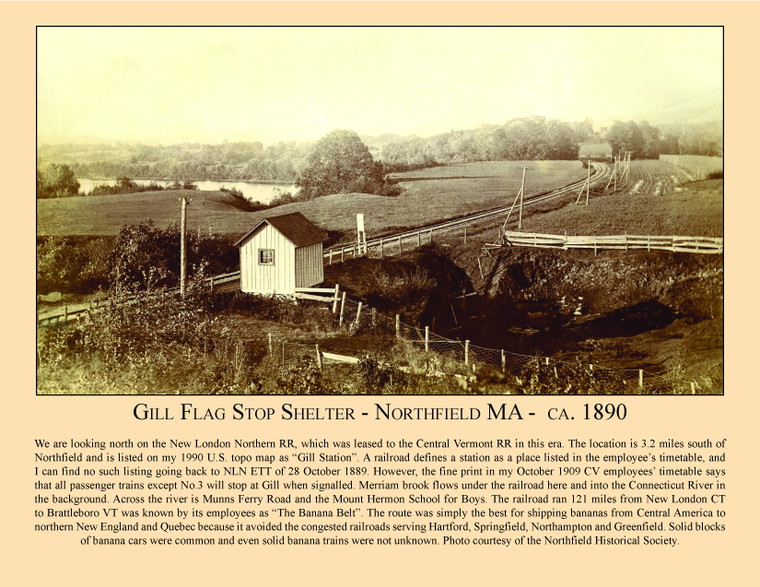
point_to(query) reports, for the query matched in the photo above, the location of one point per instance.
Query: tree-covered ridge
(527, 138)
(239, 161)
(520, 139)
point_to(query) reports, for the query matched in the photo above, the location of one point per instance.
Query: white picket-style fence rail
(677, 244)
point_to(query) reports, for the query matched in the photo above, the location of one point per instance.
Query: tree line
(520, 139)
(344, 162)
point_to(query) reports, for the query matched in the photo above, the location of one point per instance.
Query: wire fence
(476, 366)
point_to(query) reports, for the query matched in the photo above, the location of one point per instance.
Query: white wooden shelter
(281, 254)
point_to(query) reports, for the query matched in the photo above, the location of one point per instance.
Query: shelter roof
(294, 226)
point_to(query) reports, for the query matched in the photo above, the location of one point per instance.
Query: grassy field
(697, 166)
(652, 201)
(430, 195)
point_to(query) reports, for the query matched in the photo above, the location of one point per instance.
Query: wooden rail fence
(677, 244)
(393, 244)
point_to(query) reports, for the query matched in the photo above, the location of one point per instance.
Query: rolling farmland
(430, 195)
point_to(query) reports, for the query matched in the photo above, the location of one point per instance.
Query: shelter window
(266, 256)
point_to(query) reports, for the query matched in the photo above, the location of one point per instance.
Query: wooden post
(331, 255)
(547, 361)
(465, 235)
(427, 338)
(335, 299)
(419, 239)
(503, 361)
(382, 251)
(342, 254)
(342, 308)
(65, 313)
(400, 246)
(641, 378)
(480, 266)
(431, 235)
(358, 314)
(466, 352)
(211, 283)
(319, 356)
(398, 325)
(693, 388)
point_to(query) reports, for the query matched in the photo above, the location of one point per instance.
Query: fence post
(466, 352)
(335, 299)
(358, 314)
(503, 361)
(398, 325)
(65, 313)
(319, 356)
(427, 338)
(331, 255)
(693, 388)
(342, 308)
(400, 246)
(465, 235)
(211, 283)
(547, 361)
(382, 251)
(641, 378)
(419, 239)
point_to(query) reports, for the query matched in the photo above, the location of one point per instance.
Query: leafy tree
(642, 140)
(56, 181)
(340, 163)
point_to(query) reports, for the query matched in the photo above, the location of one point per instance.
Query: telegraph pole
(182, 253)
(519, 197)
(586, 185)
(522, 197)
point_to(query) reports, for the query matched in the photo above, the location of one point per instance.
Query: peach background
(59, 560)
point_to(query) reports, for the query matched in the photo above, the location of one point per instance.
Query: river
(262, 192)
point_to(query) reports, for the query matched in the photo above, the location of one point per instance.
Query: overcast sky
(209, 84)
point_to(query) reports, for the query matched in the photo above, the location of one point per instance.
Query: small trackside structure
(281, 254)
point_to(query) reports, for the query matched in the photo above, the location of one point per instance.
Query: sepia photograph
(379, 210)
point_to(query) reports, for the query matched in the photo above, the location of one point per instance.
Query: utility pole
(586, 185)
(519, 197)
(522, 198)
(182, 253)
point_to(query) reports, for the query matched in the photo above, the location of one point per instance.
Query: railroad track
(336, 254)
(396, 241)
(65, 314)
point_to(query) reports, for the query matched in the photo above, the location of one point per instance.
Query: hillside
(429, 196)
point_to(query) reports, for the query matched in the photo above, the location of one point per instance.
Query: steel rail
(600, 172)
